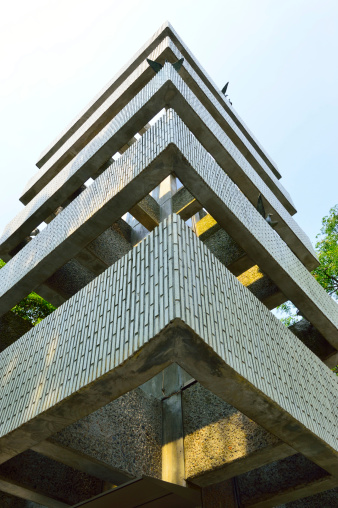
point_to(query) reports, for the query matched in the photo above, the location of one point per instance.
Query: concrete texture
(9, 501)
(69, 279)
(171, 380)
(165, 44)
(258, 487)
(220, 495)
(81, 461)
(126, 434)
(262, 287)
(147, 212)
(222, 245)
(314, 340)
(50, 479)
(321, 500)
(165, 89)
(184, 204)
(217, 435)
(12, 327)
(199, 316)
(107, 248)
(230, 208)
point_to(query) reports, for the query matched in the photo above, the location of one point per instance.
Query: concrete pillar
(173, 466)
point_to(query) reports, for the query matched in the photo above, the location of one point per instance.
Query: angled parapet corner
(125, 86)
(130, 179)
(178, 304)
(166, 88)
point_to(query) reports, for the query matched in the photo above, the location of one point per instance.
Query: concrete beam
(251, 461)
(212, 348)
(94, 209)
(12, 327)
(50, 295)
(184, 204)
(220, 243)
(30, 494)
(282, 482)
(137, 74)
(172, 440)
(107, 248)
(300, 492)
(221, 442)
(171, 91)
(35, 472)
(80, 461)
(134, 139)
(315, 341)
(262, 287)
(147, 212)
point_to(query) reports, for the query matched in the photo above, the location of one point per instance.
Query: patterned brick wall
(170, 274)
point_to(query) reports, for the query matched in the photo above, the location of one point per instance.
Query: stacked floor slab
(162, 358)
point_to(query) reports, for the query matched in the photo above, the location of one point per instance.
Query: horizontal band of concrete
(132, 177)
(142, 108)
(166, 88)
(251, 460)
(82, 462)
(30, 494)
(306, 490)
(111, 107)
(128, 89)
(281, 482)
(165, 31)
(231, 128)
(168, 300)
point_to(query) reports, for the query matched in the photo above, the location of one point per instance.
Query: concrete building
(163, 378)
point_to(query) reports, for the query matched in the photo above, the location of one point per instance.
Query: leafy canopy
(327, 249)
(33, 308)
(327, 272)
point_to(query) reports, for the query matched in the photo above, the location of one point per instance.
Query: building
(162, 378)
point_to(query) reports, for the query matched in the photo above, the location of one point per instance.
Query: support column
(173, 467)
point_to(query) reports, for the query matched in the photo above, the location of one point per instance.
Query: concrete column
(164, 193)
(172, 440)
(173, 468)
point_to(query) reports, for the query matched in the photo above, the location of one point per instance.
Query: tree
(33, 307)
(327, 249)
(327, 272)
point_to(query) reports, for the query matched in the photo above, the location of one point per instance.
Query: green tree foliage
(326, 273)
(327, 249)
(289, 313)
(33, 308)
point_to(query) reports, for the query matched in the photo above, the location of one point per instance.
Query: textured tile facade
(107, 104)
(166, 31)
(83, 160)
(170, 274)
(132, 164)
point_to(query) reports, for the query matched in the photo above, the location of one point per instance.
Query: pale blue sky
(279, 56)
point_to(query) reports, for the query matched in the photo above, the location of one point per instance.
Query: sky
(280, 58)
